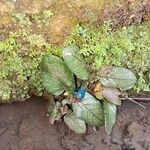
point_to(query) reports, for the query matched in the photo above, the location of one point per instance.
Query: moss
(22, 51)
(20, 60)
(127, 46)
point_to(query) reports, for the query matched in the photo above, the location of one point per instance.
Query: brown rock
(32, 6)
(6, 9)
(60, 26)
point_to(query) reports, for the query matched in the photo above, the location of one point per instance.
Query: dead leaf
(105, 70)
(112, 95)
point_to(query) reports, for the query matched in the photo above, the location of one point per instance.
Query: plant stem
(137, 98)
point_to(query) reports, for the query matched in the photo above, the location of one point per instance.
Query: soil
(25, 126)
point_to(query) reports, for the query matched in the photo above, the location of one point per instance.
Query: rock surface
(67, 13)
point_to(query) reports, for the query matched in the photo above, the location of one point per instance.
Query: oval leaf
(110, 111)
(90, 110)
(112, 95)
(75, 62)
(51, 84)
(119, 77)
(74, 123)
(60, 77)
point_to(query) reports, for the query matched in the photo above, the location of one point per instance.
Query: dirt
(25, 126)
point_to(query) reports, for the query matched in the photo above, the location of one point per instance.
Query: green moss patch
(128, 47)
(21, 53)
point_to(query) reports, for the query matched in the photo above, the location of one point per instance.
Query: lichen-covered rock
(6, 9)
(28, 29)
(60, 27)
(67, 13)
(32, 7)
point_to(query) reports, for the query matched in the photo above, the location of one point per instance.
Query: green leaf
(51, 84)
(74, 123)
(90, 110)
(60, 78)
(110, 111)
(75, 62)
(54, 111)
(112, 95)
(119, 77)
